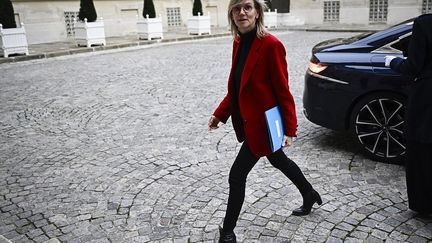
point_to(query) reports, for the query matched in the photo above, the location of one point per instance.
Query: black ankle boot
(308, 201)
(226, 237)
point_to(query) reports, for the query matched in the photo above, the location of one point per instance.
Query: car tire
(377, 122)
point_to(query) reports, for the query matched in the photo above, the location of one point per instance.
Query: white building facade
(355, 12)
(52, 20)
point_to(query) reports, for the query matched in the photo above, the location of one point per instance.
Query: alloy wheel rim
(379, 127)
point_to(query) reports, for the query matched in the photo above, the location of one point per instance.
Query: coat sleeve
(279, 79)
(223, 111)
(415, 62)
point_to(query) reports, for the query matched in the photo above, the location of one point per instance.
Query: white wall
(44, 19)
(44, 22)
(400, 10)
(354, 12)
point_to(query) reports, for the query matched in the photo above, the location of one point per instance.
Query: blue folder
(274, 127)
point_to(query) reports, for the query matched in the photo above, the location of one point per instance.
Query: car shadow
(339, 140)
(345, 142)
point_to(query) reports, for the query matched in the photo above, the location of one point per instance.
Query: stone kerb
(198, 25)
(13, 41)
(150, 28)
(89, 33)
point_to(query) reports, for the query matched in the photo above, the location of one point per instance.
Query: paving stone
(379, 234)
(359, 234)
(345, 226)
(327, 225)
(285, 233)
(41, 238)
(373, 239)
(3, 239)
(377, 217)
(406, 229)
(339, 233)
(352, 221)
(417, 239)
(397, 236)
(317, 238)
(352, 240)
(334, 240)
(34, 233)
(369, 223)
(54, 240)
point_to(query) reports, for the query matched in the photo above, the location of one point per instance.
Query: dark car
(347, 87)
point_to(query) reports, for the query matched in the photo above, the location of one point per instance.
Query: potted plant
(88, 31)
(150, 27)
(13, 40)
(198, 24)
(270, 18)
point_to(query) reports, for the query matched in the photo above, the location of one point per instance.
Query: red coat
(264, 84)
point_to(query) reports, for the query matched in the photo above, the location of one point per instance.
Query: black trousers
(243, 164)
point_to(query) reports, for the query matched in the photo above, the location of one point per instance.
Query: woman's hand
(287, 141)
(213, 123)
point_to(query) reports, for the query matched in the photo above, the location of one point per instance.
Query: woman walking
(258, 81)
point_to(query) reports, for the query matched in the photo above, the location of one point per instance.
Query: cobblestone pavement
(113, 147)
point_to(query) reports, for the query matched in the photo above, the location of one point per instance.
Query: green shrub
(87, 10)
(149, 9)
(197, 8)
(7, 17)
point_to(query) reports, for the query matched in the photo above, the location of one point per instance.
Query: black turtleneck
(246, 40)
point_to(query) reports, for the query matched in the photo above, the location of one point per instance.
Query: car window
(402, 45)
(398, 46)
(380, 33)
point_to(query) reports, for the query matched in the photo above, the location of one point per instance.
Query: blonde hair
(260, 7)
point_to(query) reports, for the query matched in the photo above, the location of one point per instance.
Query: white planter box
(13, 41)
(150, 28)
(270, 19)
(89, 33)
(198, 25)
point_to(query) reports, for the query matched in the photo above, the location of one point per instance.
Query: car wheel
(377, 122)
